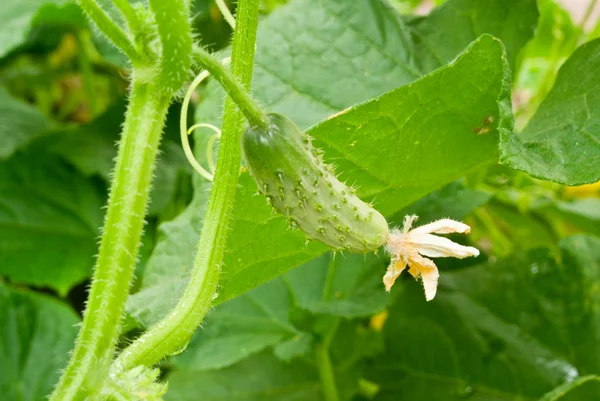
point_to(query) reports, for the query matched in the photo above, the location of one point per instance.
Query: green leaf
(426, 153)
(91, 148)
(344, 285)
(367, 49)
(581, 214)
(242, 327)
(299, 345)
(261, 377)
(62, 13)
(17, 17)
(505, 230)
(503, 331)
(561, 143)
(451, 27)
(49, 221)
(36, 335)
(581, 389)
(264, 377)
(454, 201)
(21, 123)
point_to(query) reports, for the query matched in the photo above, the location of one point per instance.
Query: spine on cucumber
(298, 184)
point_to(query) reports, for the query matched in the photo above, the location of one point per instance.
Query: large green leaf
(453, 201)
(449, 28)
(241, 327)
(260, 378)
(265, 377)
(421, 153)
(17, 17)
(21, 123)
(36, 334)
(49, 221)
(561, 143)
(340, 285)
(366, 50)
(503, 331)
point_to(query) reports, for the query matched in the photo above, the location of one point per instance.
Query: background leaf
(262, 377)
(344, 285)
(242, 327)
(36, 334)
(21, 123)
(49, 221)
(561, 143)
(16, 17)
(503, 331)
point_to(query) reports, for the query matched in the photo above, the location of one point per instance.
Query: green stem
(119, 246)
(255, 115)
(226, 13)
(175, 34)
(175, 330)
(129, 14)
(330, 392)
(112, 31)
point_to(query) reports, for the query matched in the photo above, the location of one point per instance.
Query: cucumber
(298, 184)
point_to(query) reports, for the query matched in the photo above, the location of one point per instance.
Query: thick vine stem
(129, 15)
(119, 246)
(255, 115)
(175, 34)
(112, 31)
(174, 331)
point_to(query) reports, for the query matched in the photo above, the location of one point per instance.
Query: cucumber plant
(401, 107)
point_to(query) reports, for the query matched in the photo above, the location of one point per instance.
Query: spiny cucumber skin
(299, 185)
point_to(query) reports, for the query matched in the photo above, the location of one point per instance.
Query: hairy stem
(238, 93)
(175, 330)
(112, 31)
(129, 15)
(119, 246)
(175, 34)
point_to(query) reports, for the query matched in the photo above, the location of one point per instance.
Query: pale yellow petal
(428, 272)
(393, 271)
(430, 282)
(414, 271)
(443, 226)
(439, 247)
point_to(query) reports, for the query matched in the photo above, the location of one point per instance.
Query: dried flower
(410, 246)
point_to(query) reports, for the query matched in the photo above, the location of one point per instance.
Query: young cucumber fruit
(299, 185)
